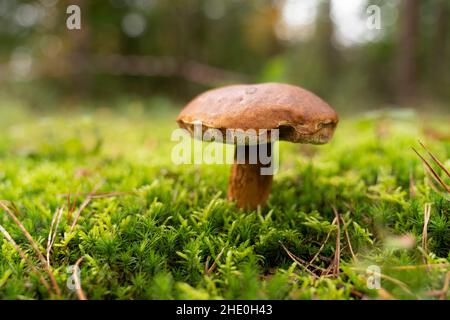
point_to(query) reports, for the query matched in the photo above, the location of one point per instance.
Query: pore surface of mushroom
(298, 115)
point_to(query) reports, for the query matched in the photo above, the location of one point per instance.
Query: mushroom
(299, 115)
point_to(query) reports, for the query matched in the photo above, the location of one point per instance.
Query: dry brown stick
(25, 258)
(426, 219)
(35, 247)
(330, 267)
(145, 65)
(79, 290)
(214, 265)
(337, 253)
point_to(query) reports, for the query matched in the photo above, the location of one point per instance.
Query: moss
(158, 239)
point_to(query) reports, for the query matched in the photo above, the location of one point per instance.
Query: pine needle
(34, 246)
(25, 258)
(52, 232)
(79, 290)
(426, 219)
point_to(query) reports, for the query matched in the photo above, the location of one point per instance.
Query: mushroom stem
(247, 186)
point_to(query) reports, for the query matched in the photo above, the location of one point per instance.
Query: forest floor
(357, 218)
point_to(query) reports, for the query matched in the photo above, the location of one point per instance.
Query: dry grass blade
(99, 195)
(83, 206)
(432, 171)
(383, 294)
(321, 246)
(78, 213)
(52, 232)
(426, 219)
(337, 253)
(34, 246)
(347, 237)
(401, 284)
(300, 262)
(80, 292)
(207, 264)
(24, 231)
(25, 258)
(214, 265)
(111, 194)
(71, 204)
(420, 266)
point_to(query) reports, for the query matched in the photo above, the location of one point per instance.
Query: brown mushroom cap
(300, 115)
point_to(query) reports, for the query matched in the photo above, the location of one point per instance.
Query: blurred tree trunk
(407, 51)
(326, 33)
(440, 38)
(79, 52)
(326, 48)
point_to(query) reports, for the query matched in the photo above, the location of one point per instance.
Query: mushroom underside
(297, 133)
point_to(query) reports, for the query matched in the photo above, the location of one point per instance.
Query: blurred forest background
(178, 48)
